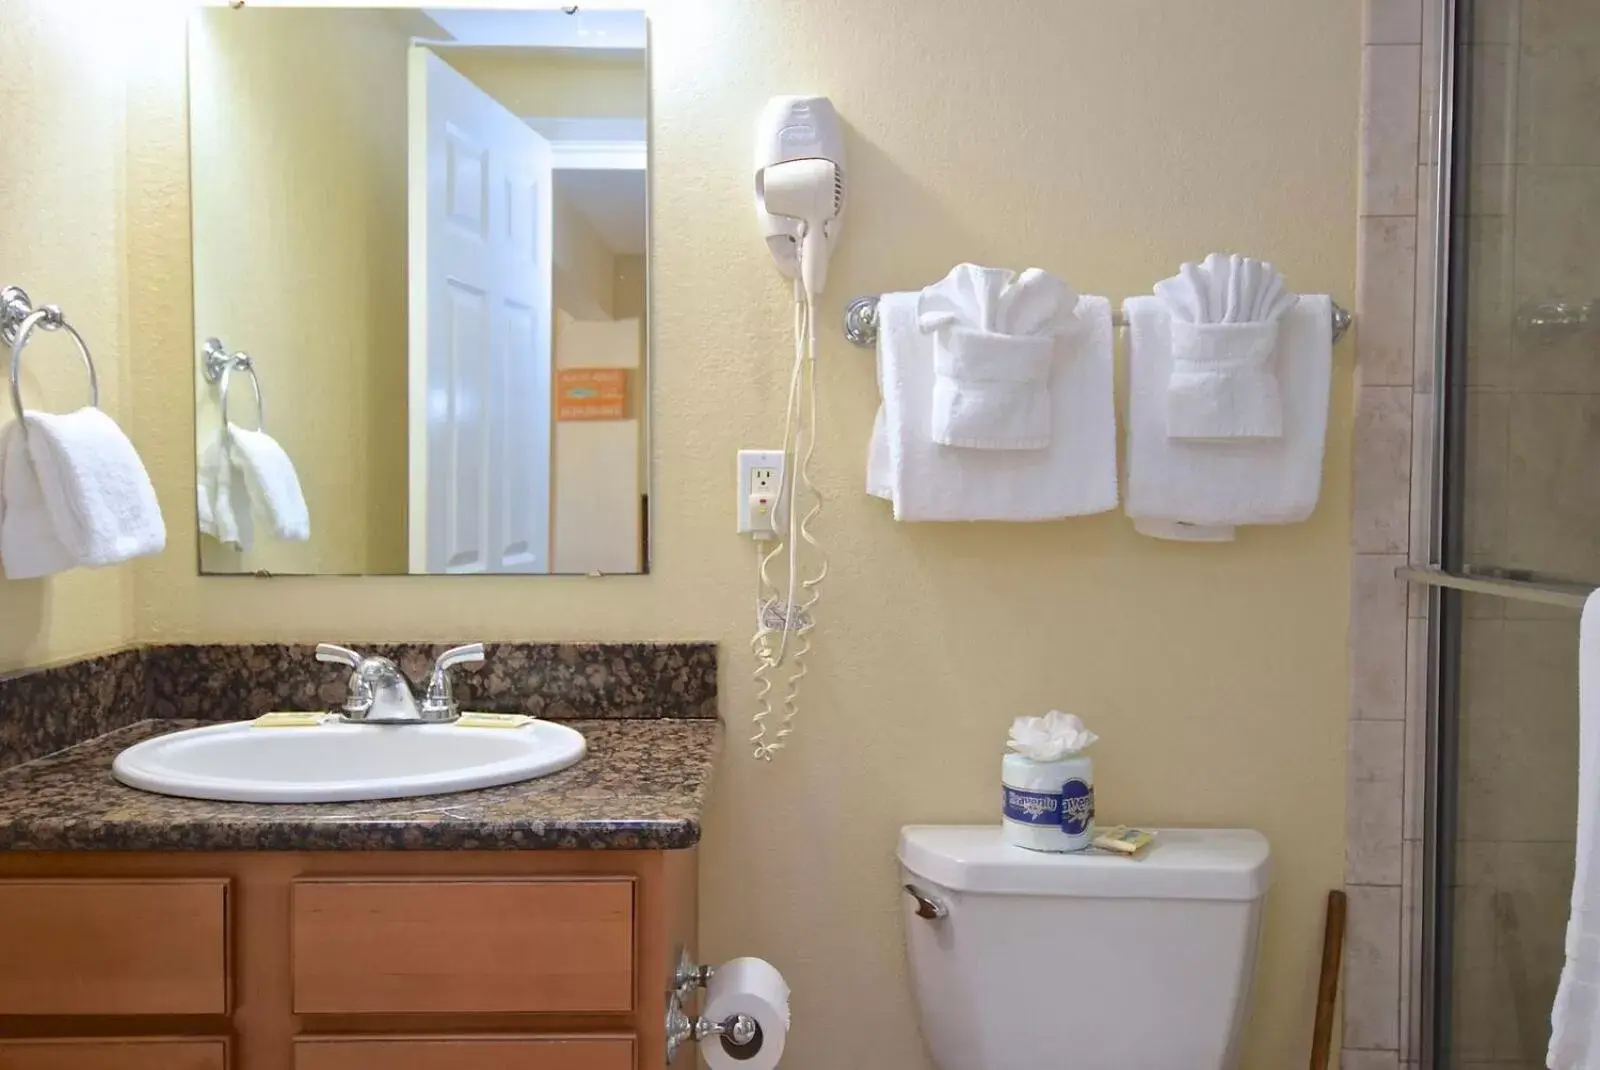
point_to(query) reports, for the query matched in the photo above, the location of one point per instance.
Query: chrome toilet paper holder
(739, 1034)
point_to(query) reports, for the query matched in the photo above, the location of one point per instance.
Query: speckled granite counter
(642, 786)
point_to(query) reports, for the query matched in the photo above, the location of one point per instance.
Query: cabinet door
(106, 947)
(463, 1053)
(463, 946)
(114, 1053)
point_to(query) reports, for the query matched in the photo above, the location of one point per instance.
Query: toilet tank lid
(1181, 864)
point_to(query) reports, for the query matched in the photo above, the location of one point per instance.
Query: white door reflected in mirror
(427, 230)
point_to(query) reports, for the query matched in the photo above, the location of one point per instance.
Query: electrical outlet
(760, 475)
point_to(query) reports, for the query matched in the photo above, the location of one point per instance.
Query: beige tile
(1486, 463)
(1351, 1059)
(1373, 809)
(1550, 21)
(1557, 248)
(1427, 148)
(1553, 496)
(1490, 190)
(1496, 21)
(1492, 111)
(1411, 950)
(1377, 638)
(1558, 108)
(1490, 301)
(1393, 22)
(1386, 289)
(1382, 490)
(1389, 131)
(1556, 361)
(1518, 730)
(1532, 887)
(1478, 989)
(1416, 729)
(1372, 969)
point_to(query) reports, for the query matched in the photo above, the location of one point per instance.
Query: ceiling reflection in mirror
(421, 276)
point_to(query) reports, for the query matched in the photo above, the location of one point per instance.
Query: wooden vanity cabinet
(535, 960)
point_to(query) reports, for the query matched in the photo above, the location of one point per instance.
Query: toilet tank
(1083, 961)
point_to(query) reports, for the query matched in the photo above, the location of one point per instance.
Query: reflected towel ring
(18, 319)
(219, 366)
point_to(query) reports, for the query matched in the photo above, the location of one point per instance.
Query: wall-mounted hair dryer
(800, 185)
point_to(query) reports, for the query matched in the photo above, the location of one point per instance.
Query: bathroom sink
(241, 762)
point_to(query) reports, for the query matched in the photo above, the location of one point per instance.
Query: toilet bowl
(1022, 960)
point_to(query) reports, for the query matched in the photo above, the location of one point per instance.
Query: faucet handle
(338, 655)
(440, 703)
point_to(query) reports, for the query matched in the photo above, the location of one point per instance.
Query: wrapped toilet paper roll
(754, 987)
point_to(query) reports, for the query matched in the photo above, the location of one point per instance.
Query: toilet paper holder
(739, 1034)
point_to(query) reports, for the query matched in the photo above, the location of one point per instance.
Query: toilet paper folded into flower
(1047, 785)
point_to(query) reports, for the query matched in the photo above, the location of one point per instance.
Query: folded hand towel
(1075, 475)
(272, 481)
(1575, 1018)
(226, 514)
(1244, 481)
(1225, 379)
(993, 353)
(77, 494)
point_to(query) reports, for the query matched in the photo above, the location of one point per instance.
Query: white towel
(76, 493)
(224, 510)
(1225, 378)
(273, 484)
(1075, 475)
(1575, 1018)
(993, 354)
(1224, 483)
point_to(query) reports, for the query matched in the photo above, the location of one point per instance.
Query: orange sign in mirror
(592, 394)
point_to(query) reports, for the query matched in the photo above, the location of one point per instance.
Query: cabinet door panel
(114, 1053)
(464, 1053)
(106, 947)
(464, 946)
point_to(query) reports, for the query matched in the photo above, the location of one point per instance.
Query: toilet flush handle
(927, 905)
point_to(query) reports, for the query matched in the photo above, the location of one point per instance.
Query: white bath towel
(273, 483)
(1225, 380)
(76, 494)
(1224, 483)
(1075, 475)
(1575, 1019)
(224, 506)
(994, 351)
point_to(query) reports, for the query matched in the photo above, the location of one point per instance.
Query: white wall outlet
(760, 474)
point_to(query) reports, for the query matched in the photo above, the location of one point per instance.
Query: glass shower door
(1521, 503)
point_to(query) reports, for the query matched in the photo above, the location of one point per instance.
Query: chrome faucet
(379, 692)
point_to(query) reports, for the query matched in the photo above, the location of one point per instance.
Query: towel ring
(219, 366)
(18, 320)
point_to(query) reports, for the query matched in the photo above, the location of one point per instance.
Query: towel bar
(861, 321)
(18, 319)
(219, 366)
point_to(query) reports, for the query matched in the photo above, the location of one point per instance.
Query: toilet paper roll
(754, 987)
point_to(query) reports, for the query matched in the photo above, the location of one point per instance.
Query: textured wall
(1103, 140)
(60, 205)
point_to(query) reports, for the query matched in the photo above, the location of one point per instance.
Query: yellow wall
(60, 238)
(556, 87)
(585, 267)
(1105, 141)
(299, 132)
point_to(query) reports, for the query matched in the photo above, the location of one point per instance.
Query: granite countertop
(643, 786)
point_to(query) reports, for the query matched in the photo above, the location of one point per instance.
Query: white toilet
(1029, 961)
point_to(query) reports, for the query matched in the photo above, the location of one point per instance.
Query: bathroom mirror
(421, 315)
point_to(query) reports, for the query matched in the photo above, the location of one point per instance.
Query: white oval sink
(239, 762)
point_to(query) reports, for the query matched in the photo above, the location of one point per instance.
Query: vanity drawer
(468, 946)
(114, 1053)
(107, 947)
(464, 1053)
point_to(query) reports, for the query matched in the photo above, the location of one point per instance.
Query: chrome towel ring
(219, 366)
(18, 320)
